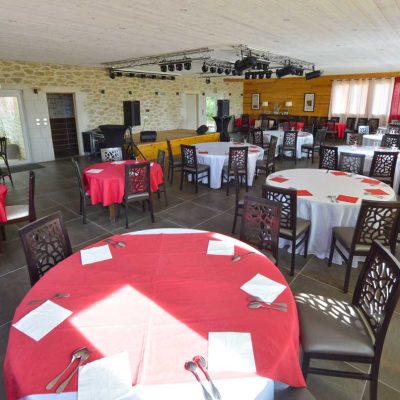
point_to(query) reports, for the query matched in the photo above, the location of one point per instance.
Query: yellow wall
(293, 89)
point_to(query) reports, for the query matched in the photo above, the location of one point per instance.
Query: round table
(216, 155)
(157, 298)
(323, 211)
(372, 140)
(3, 193)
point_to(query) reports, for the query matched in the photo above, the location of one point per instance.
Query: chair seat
(310, 146)
(138, 197)
(200, 168)
(177, 162)
(17, 212)
(288, 148)
(301, 226)
(331, 326)
(345, 235)
(241, 171)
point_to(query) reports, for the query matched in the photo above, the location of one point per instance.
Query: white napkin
(263, 287)
(105, 379)
(94, 171)
(95, 254)
(118, 162)
(230, 351)
(42, 320)
(220, 248)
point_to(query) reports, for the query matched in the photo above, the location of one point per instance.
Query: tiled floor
(210, 210)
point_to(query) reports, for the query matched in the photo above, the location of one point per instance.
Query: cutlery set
(201, 363)
(56, 296)
(256, 302)
(115, 243)
(333, 199)
(238, 257)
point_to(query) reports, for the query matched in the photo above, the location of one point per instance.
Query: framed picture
(255, 101)
(309, 100)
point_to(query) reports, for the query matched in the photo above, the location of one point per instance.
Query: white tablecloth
(218, 154)
(302, 138)
(369, 153)
(371, 140)
(320, 210)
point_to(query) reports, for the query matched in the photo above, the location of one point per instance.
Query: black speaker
(223, 108)
(132, 113)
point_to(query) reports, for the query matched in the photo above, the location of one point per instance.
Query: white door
(192, 111)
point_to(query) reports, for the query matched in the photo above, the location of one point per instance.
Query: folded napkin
(377, 191)
(371, 181)
(94, 171)
(263, 287)
(304, 193)
(347, 199)
(203, 152)
(253, 151)
(95, 254)
(118, 162)
(220, 248)
(303, 134)
(339, 173)
(105, 379)
(279, 179)
(253, 147)
(230, 351)
(42, 320)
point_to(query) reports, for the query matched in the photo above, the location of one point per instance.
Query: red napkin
(237, 143)
(279, 179)
(253, 147)
(304, 193)
(253, 151)
(347, 199)
(370, 181)
(203, 152)
(338, 173)
(376, 191)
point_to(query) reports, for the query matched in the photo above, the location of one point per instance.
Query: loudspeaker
(132, 113)
(223, 108)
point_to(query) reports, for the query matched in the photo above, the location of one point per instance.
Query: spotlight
(268, 74)
(283, 71)
(254, 75)
(234, 73)
(131, 75)
(153, 76)
(118, 74)
(172, 78)
(265, 66)
(188, 66)
(204, 68)
(247, 75)
(212, 70)
(313, 74)
(163, 68)
(246, 63)
(163, 77)
(179, 67)
(208, 81)
(171, 67)
(260, 75)
(220, 70)
(227, 71)
(112, 74)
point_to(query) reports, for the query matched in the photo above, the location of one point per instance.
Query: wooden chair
(391, 140)
(137, 187)
(267, 165)
(331, 130)
(373, 124)
(257, 138)
(311, 148)
(260, 224)
(237, 156)
(3, 155)
(111, 154)
(45, 243)
(350, 123)
(328, 157)
(322, 122)
(377, 220)
(83, 196)
(351, 162)
(334, 119)
(173, 163)
(192, 167)
(310, 128)
(335, 330)
(162, 188)
(292, 228)
(383, 166)
(245, 127)
(393, 129)
(361, 122)
(289, 144)
(353, 139)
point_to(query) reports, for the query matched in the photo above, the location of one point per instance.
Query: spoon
(257, 304)
(238, 257)
(202, 364)
(115, 243)
(75, 355)
(192, 367)
(260, 300)
(83, 357)
(56, 296)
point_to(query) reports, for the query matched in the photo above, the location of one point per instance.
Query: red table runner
(108, 186)
(3, 193)
(157, 298)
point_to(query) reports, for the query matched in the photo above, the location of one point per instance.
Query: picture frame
(309, 102)
(255, 101)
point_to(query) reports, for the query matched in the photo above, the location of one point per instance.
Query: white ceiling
(337, 35)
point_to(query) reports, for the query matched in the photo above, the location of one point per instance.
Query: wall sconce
(287, 105)
(35, 90)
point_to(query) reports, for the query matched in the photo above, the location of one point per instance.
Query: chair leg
(295, 157)
(196, 178)
(208, 178)
(373, 384)
(246, 182)
(306, 243)
(305, 365)
(165, 193)
(227, 184)
(181, 185)
(234, 220)
(3, 232)
(293, 257)
(126, 215)
(312, 156)
(333, 241)
(150, 201)
(348, 274)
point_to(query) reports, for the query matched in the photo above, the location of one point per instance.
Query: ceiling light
(204, 68)
(234, 73)
(208, 81)
(283, 71)
(171, 67)
(188, 66)
(212, 70)
(313, 74)
(268, 74)
(261, 75)
(112, 74)
(220, 70)
(247, 75)
(179, 67)
(163, 68)
(245, 63)
(227, 71)
(254, 75)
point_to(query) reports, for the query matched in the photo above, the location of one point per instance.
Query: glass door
(211, 111)
(12, 126)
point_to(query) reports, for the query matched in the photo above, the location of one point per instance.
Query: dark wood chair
(190, 166)
(310, 128)
(328, 157)
(245, 127)
(322, 122)
(137, 187)
(312, 148)
(393, 129)
(238, 201)
(351, 124)
(257, 138)
(237, 156)
(383, 166)
(83, 196)
(260, 224)
(353, 332)
(334, 119)
(331, 130)
(162, 188)
(353, 139)
(361, 122)
(45, 243)
(292, 228)
(391, 140)
(289, 144)
(351, 162)
(267, 165)
(373, 124)
(174, 164)
(3, 155)
(377, 220)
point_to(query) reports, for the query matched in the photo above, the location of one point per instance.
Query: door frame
(200, 107)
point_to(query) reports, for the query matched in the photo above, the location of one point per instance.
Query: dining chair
(393, 129)
(257, 138)
(361, 122)
(373, 124)
(292, 228)
(173, 163)
(391, 140)
(322, 122)
(335, 330)
(190, 166)
(328, 157)
(267, 165)
(334, 119)
(245, 127)
(311, 148)
(162, 188)
(45, 243)
(83, 195)
(331, 130)
(237, 156)
(137, 187)
(310, 128)
(351, 162)
(383, 166)
(260, 224)
(3, 155)
(353, 139)
(238, 200)
(289, 144)
(363, 129)
(111, 154)
(350, 123)
(377, 220)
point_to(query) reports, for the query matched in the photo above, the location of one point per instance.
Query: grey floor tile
(4, 332)
(79, 233)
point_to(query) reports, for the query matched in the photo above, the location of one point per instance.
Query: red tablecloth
(108, 186)
(340, 128)
(239, 122)
(296, 125)
(3, 193)
(157, 298)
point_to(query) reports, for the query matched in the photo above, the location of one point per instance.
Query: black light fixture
(247, 75)
(112, 74)
(313, 74)
(188, 65)
(220, 70)
(179, 67)
(234, 72)
(245, 63)
(163, 77)
(163, 68)
(268, 74)
(227, 71)
(254, 75)
(204, 68)
(208, 81)
(171, 67)
(213, 69)
(287, 70)
(260, 75)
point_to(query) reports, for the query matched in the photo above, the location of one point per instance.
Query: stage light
(163, 68)
(212, 70)
(163, 77)
(268, 74)
(118, 74)
(234, 73)
(227, 71)
(246, 63)
(204, 68)
(171, 67)
(179, 67)
(283, 71)
(313, 74)
(112, 74)
(260, 75)
(208, 81)
(247, 75)
(220, 70)
(254, 75)
(188, 66)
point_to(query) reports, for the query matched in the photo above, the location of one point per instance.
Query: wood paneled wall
(293, 89)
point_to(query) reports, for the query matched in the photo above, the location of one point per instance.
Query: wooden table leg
(112, 211)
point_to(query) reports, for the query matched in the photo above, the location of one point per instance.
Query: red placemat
(304, 193)
(338, 173)
(377, 191)
(370, 181)
(279, 179)
(347, 199)
(203, 152)
(253, 151)
(253, 147)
